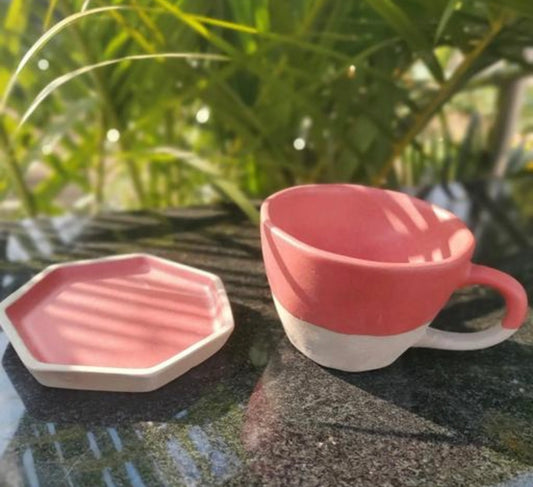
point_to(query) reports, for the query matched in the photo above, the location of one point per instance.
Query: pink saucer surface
(127, 313)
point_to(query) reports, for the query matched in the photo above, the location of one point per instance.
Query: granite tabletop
(260, 413)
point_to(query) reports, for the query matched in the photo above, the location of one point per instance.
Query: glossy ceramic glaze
(136, 316)
(362, 261)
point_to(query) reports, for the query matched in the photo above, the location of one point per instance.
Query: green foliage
(149, 104)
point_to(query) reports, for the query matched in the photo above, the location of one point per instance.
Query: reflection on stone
(11, 407)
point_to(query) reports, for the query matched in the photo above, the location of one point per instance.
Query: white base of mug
(357, 353)
(351, 353)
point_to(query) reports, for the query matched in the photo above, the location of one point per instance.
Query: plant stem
(510, 101)
(21, 187)
(447, 90)
(100, 164)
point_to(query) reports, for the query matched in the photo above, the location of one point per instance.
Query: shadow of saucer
(95, 408)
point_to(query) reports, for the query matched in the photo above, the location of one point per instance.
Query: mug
(357, 274)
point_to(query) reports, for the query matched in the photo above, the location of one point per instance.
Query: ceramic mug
(357, 274)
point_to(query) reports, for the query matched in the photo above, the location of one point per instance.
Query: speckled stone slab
(260, 413)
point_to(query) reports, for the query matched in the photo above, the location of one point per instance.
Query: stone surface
(258, 412)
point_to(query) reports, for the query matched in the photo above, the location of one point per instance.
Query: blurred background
(151, 104)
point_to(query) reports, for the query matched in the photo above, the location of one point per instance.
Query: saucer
(125, 323)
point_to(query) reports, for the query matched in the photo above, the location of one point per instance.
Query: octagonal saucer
(125, 323)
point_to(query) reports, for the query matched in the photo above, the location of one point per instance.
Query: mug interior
(369, 223)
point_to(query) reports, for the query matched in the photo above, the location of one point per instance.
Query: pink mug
(357, 274)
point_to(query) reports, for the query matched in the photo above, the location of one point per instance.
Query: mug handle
(515, 302)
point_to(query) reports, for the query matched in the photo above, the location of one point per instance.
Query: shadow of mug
(429, 412)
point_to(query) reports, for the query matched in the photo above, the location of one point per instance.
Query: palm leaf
(445, 18)
(49, 12)
(15, 21)
(286, 39)
(47, 37)
(230, 189)
(55, 84)
(409, 31)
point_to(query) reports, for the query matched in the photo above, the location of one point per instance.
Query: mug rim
(346, 259)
